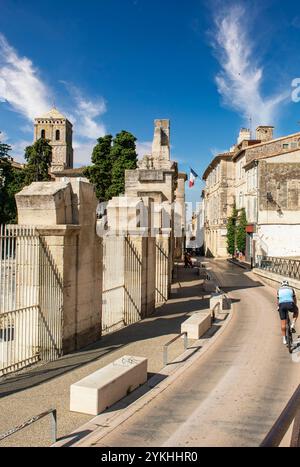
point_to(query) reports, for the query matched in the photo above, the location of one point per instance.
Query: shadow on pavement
(166, 320)
(74, 437)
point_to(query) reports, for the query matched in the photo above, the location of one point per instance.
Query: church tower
(56, 127)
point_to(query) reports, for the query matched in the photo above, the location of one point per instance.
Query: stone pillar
(64, 214)
(156, 177)
(129, 274)
(180, 216)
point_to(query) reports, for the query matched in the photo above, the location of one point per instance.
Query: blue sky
(119, 64)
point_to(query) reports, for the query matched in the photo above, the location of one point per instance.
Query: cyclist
(287, 302)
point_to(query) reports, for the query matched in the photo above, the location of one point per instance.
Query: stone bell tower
(56, 127)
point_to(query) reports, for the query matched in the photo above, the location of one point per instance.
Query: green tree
(231, 231)
(241, 231)
(100, 172)
(123, 157)
(38, 157)
(11, 182)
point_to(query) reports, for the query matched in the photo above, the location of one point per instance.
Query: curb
(237, 263)
(103, 424)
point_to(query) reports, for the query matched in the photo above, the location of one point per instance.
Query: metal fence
(162, 265)
(113, 284)
(133, 283)
(122, 278)
(283, 266)
(290, 414)
(53, 415)
(30, 299)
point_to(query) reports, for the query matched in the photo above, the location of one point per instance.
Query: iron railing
(283, 266)
(185, 343)
(290, 413)
(19, 338)
(32, 420)
(30, 299)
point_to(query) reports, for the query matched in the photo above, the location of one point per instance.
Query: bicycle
(289, 334)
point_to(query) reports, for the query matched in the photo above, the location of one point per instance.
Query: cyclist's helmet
(284, 283)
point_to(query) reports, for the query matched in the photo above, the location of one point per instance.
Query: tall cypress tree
(100, 172)
(123, 156)
(241, 231)
(231, 231)
(38, 157)
(11, 182)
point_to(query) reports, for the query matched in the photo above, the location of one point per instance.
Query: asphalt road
(235, 392)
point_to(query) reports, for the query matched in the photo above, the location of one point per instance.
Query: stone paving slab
(30, 392)
(92, 432)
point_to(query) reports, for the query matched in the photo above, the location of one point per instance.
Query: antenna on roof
(250, 126)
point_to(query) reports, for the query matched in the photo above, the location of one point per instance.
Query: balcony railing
(283, 266)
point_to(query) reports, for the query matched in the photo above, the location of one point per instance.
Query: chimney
(264, 133)
(244, 135)
(161, 140)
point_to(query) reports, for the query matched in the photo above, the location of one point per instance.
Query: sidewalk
(30, 392)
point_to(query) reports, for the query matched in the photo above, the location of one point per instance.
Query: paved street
(235, 392)
(47, 386)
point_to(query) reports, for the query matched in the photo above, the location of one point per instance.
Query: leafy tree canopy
(100, 172)
(11, 182)
(231, 231)
(241, 231)
(124, 157)
(110, 158)
(38, 157)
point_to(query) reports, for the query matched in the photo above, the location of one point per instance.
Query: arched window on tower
(57, 135)
(43, 134)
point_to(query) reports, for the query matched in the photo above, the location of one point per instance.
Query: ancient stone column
(129, 263)
(70, 259)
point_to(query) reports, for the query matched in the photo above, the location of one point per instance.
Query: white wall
(279, 240)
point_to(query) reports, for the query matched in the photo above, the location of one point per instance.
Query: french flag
(192, 179)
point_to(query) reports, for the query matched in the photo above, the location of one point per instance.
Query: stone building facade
(58, 130)
(265, 182)
(218, 200)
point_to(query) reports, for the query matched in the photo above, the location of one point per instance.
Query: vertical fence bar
(30, 299)
(54, 426)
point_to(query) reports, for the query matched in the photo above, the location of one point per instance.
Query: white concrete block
(101, 389)
(219, 298)
(197, 325)
(214, 299)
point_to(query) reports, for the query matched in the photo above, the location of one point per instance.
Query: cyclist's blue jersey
(285, 295)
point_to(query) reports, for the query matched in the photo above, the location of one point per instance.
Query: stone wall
(282, 181)
(65, 215)
(273, 147)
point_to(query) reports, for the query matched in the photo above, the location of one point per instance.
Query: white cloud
(86, 113)
(240, 80)
(3, 137)
(18, 150)
(83, 152)
(26, 94)
(20, 84)
(143, 148)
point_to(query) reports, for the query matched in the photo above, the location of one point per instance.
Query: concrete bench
(219, 298)
(101, 389)
(197, 324)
